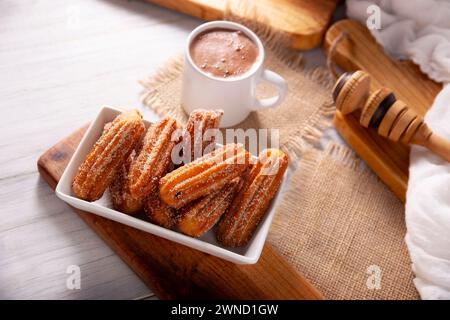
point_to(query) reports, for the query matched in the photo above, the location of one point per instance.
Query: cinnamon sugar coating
(204, 175)
(154, 159)
(199, 132)
(108, 154)
(159, 212)
(201, 215)
(120, 193)
(252, 201)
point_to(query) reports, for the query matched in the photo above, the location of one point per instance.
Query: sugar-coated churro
(108, 154)
(204, 175)
(199, 132)
(154, 158)
(120, 194)
(198, 217)
(250, 204)
(159, 212)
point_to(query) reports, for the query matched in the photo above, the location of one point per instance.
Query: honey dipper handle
(439, 146)
(433, 142)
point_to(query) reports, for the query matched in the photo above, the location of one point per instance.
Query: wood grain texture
(359, 50)
(60, 61)
(175, 271)
(305, 21)
(435, 143)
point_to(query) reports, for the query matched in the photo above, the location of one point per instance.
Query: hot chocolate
(223, 53)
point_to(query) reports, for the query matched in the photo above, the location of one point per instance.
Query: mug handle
(279, 82)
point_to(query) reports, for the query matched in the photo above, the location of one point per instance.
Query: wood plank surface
(176, 271)
(305, 21)
(359, 50)
(60, 61)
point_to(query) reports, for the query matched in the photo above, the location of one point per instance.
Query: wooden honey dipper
(392, 118)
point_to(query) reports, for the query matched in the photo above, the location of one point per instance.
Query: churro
(204, 175)
(198, 217)
(120, 194)
(159, 212)
(108, 154)
(251, 203)
(200, 133)
(154, 159)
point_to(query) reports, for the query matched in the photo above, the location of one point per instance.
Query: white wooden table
(60, 60)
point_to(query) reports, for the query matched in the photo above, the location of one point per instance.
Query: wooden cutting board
(305, 21)
(174, 271)
(359, 50)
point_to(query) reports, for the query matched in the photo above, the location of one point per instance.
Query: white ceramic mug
(235, 95)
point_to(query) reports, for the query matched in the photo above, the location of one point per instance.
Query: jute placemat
(344, 229)
(338, 224)
(301, 117)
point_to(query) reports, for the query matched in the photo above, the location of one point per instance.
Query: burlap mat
(338, 224)
(301, 117)
(343, 229)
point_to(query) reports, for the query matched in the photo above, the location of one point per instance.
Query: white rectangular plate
(103, 207)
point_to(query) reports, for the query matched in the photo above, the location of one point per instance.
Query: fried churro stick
(154, 159)
(200, 132)
(120, 194)
(250, 204)
(198, 217)
(204, 175)
(109, 152)
(159, 213)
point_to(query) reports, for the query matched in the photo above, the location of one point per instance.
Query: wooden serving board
(305, 21)
(174, 271)
(359, 50)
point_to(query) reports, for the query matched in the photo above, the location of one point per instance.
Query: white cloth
(428, 209)
(420, 30)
